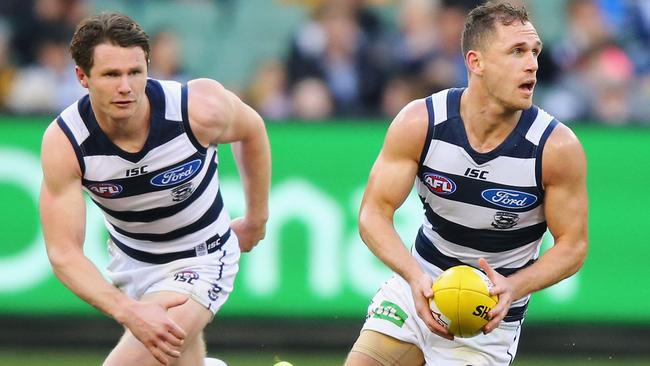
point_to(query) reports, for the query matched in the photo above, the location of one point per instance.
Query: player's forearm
(381, 238)
(253, 158)
(556, 264)
(83, 278)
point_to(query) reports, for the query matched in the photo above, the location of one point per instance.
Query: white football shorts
(208, 279)
(392, 312)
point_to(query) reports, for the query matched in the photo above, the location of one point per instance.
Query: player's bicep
(61, 204)
(395, 169)
(566, 202)
(390, 182)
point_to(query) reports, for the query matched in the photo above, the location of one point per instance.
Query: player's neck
(487, 122)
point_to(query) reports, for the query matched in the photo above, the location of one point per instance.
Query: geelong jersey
(164, 198)
(477, 205)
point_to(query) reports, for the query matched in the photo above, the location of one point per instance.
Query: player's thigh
(192, 317)
(377, 349)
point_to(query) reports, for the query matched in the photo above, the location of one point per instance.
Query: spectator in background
(426, 55)
(399, 91)
(598, 81)
(635, 34)
(34, 21)
(49, 84)
(7, 69)
(311, 100)
(586, 30)
(447, 68)
(600, 87)
(412, 47)
(166, 57)
(267, 91)
(333, 48)
(635, 37)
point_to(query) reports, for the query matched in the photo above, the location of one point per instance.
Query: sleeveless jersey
(477, 205)
(162, 199)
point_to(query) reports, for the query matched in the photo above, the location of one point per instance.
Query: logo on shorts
(213, 293)
(391, 312)
(186, 276)
(505, 220)
(177, 174)
(182, 192)
(439, 184)
(105, 189)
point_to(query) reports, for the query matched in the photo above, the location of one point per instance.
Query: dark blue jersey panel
(162, 212)
(208, 218)
(491, 241)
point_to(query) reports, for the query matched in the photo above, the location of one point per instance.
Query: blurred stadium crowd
(343, 60)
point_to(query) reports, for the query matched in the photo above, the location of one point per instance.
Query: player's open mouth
(527, 87)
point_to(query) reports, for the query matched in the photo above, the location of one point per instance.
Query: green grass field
(10, 357)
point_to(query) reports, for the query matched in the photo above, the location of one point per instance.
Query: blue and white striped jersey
(477, 205)
(164, 198)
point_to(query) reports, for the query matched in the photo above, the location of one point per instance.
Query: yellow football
(461, 300)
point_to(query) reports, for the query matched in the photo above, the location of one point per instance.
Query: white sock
(214, 362)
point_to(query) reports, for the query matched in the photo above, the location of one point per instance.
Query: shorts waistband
(209, 246)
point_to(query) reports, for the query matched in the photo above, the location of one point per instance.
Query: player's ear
(81, 76)
(474, 61)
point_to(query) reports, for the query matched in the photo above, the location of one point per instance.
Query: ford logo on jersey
(439, 184)
(177, 175)
(105, 189)
(509, 198)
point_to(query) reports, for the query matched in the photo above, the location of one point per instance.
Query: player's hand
(422, 292)
(151, 325)
(248, 232)
(503, 289)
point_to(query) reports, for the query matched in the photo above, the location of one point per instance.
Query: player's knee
(356, 358)
(377, 349)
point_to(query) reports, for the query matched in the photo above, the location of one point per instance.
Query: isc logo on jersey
(105, 189)
(177, 175)
(439, 184)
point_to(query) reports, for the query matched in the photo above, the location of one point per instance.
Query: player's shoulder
(564, 156)
(562, 140)
(208, 101)
(206, 90)
(57, 152)
(414, 116)
(53, 135)
(407, 133)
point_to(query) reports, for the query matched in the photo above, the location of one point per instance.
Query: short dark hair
(481, 22)
(115, 28)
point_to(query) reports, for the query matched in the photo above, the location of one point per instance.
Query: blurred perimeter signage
(312, 262)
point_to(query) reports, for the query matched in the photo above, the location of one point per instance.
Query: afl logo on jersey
(105, 189)
(439, 184)
(177, 175)
(509, 198)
